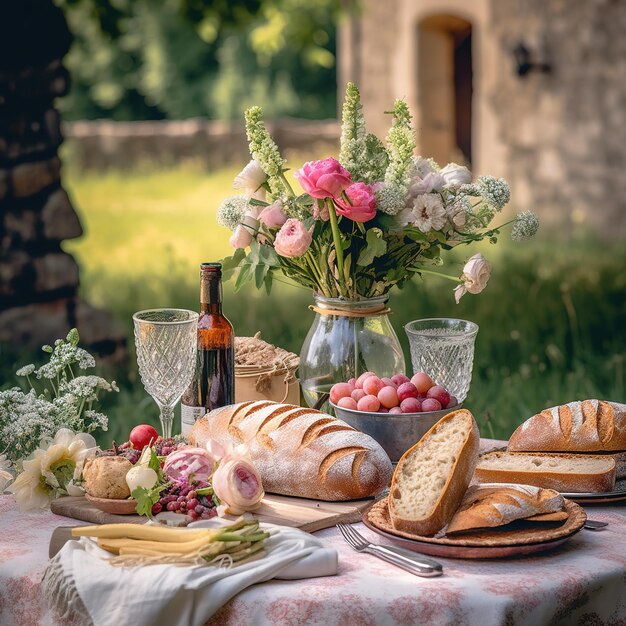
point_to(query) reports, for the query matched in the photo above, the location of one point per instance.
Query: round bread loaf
(300, 451)
(105, 477)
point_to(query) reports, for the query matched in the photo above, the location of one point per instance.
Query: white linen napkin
(167, 594)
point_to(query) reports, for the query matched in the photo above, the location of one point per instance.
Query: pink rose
(293, 239)
(362, 205)
(323, 179)
(273, 216)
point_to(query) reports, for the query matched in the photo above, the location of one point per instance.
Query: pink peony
(323, 179)
(273, 216)
(293, 239)
(362, 205)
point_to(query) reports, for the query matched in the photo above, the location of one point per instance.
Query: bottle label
(189, 415)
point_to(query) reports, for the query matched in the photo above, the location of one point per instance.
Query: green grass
(551, 320)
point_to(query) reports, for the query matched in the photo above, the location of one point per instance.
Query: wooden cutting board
(309, 515)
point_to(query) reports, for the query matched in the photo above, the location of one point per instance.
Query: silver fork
(410, 561)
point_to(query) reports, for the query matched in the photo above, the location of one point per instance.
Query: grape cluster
(163, 447)
(188, 500)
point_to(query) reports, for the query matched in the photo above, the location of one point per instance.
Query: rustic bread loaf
(432, 477)
(571, 473)
(300, 451)
(491, 505)
(586, 426)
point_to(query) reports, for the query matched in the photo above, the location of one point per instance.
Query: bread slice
(491, 505)
(570, 473)
(582, 426)
(432, 477)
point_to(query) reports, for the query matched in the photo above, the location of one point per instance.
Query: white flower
(456, 175)
(525, 226)
(421, 166)
(53, 469)
(458, 210)
(5, 475)
(250, 180)
(494, 191)
(475, 276)
(431, 182)
(232, 210)
(427, 213)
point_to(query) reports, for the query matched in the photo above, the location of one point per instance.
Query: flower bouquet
(366, 222)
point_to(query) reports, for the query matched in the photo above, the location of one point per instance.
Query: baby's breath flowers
(525, 226)
(64, 400)
(232, 211)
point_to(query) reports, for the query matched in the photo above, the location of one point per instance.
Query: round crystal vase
(347, 338)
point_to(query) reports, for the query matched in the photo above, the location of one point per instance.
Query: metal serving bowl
(395, 432)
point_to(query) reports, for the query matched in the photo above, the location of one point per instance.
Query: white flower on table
(427, 213)
(53, 469)
(475, 276)
(433, 181)
(250, 180)
(456, 175)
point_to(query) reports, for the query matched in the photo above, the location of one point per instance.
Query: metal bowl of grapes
(396, 413)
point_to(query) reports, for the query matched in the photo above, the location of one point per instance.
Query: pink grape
(340, 390)
(352, 383)
(440, 394)
(389, 383)
(398, 379)
(430, 404)
(383, 410)
(395, 410)
(422, 381)
(349, 403)
(370, 404)
(357, 394)
(361, 378)
(372, 385)
(388, 397)
(407, 390)
(453, 402)
(411, 405)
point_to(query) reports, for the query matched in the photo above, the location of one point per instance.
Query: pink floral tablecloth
(583, 582)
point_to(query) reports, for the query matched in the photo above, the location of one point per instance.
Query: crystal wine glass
(166, 340)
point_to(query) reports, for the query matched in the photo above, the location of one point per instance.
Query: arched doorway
(445, 88)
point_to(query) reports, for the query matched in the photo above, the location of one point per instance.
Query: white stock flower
(53, 469)
(456, 175)
(475, 276)
(5, 475)
(427, 213)
(433, 181)
(250, 180)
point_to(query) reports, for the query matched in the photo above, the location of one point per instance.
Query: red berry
(348, 403)
(453, 402)
(407, 390)
(338, 391)
(411, 405)
(389, 383)
(361, 378)
(142, 436)
(352, 383)
(383, 410)
(440, 394)
(398, 379)
(370, 404)
(430, 404)
(388, 397)
(422, 381)
(395, 410)
(372, 385)
(357, 394)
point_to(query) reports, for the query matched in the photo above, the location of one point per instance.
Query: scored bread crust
(454, 488)
(582, 426)
(300, 451)
(491, 505)
(575, 481)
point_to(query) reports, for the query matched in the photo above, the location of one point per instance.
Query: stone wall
(104, 144)
(38, 280)
(559, 137)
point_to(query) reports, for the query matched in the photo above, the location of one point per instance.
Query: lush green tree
(152, 59)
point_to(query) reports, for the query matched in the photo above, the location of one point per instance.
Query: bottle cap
(211, 267)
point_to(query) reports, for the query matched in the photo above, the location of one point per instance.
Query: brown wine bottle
(213, 384)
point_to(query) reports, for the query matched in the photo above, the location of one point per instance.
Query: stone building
(532, 90)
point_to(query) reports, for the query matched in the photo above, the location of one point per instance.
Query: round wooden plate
(111, 505)
(493, 544)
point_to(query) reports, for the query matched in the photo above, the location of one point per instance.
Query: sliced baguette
(432, 477)
(493, 504)
(570, 473)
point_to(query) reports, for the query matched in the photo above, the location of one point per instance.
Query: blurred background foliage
(175, 59)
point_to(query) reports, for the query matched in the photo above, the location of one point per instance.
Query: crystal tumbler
(444, 349)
